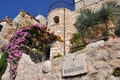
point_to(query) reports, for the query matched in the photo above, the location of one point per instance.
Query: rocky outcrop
(24, 19)
(28, 70)
(102, 58)
(6, 29)
(41, 19)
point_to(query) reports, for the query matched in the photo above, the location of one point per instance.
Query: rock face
(28, 70)
(24, 19)
(46, 67)
(101, 62)
(41, 19)
(6, 31)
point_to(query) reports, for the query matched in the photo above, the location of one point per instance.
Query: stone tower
(61, 22)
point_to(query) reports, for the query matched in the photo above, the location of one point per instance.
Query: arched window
(1, 26)
(56, 19)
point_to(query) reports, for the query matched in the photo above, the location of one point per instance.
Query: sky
(12, 8)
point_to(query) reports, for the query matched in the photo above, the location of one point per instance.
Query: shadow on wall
(38, 57)
(1, 26)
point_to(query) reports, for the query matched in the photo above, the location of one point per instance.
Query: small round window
(56, 19)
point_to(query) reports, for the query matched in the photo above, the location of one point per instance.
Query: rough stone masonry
(102, 59)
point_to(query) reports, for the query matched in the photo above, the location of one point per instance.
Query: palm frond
(86, 18)
(108, 11)
(85, 21)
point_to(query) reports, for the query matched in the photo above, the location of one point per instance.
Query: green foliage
(77, 43)
(116, 72)
(108, 12)
(117, 31)
(88, 20)
(57, 56)
(85, 21)
(3, 64)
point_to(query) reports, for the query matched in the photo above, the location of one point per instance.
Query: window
(56, 19)
(1, 26)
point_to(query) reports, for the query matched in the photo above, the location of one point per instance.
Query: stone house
(61, 21)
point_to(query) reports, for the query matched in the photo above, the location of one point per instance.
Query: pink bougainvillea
(33, 37)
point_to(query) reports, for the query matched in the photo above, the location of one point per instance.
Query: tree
(85, 22)
(107, 13)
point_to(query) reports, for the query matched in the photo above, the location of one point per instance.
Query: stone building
(61, 21)
(102, 56)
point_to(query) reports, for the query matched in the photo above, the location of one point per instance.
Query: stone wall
(6, 31)
(102, 58)
(58, 28)
(91, 4)
(70, 19)
(24, 19)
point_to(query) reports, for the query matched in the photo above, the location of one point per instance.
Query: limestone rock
(46, 66)
(101, 63)
(111, 42)
(96, 44)
(6, 32)
(26, 69)
(24, 20)
(26, 60)
(41, 19)
(118, 54)
(114, 63)
(92, 73)
(102, 75)
(2, 43)
(85, 78)
(106, 56)
(112, 78)
(6, 74)
(92, 52)
(98, 65)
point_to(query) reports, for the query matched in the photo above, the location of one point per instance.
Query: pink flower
(18, 55)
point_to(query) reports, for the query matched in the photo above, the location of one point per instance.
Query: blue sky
(11, 8)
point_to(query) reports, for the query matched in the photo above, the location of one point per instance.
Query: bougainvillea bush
(32, 37)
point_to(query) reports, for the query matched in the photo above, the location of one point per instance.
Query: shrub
(76, 43)
(57, 56)
(116, 72)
